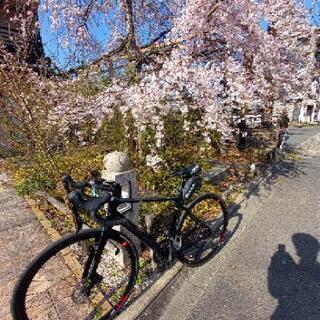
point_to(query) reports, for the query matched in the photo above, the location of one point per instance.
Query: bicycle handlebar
(69, 184)
(80, 200)
(91, 204)
(88, 204)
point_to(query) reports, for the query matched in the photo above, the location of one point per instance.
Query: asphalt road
(270, 267)
(299, 135)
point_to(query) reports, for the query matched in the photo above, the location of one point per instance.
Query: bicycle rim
(202, 231)
(52, 286)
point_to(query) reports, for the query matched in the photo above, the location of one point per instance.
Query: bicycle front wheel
(54, 286)
(202, 229)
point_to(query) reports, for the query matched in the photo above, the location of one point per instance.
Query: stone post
(117, 168)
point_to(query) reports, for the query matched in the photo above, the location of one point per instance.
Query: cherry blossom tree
(107, 30)
(215, 55)
(223, 57)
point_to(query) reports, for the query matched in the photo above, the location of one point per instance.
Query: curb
(46, 224)
(136, 308)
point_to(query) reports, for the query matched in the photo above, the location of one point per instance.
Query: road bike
(80, 276)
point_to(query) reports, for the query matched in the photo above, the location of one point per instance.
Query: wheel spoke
(56, 290)
(198, 252)
(200, 231)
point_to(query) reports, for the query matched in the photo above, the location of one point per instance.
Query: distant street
(270, 268)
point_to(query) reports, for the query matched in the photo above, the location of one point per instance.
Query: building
(308, 110)
(309, 113)
(10, 30)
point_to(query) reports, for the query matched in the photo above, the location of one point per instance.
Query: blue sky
(59, 55)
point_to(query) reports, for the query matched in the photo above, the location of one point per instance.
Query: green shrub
(30, 180)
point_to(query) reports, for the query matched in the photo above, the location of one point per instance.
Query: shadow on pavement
(234, 222)
(296, 286)
(294, 164)
(284, 169)
(288, 169)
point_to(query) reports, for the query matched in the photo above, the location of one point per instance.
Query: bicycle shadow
(234, 222)
(235, 219)
(296, 285)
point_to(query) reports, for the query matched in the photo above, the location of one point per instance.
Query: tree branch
(129, 17)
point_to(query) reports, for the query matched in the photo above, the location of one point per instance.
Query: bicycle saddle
(187, 172)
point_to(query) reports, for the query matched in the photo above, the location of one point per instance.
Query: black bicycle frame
(115, 219)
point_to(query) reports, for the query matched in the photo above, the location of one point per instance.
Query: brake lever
(70, 185)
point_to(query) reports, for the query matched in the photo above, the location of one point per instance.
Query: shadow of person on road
(296, 285)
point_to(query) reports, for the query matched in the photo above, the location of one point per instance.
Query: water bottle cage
(190, 186)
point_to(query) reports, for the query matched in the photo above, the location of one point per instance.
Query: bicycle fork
(90, 277)
(174, 239)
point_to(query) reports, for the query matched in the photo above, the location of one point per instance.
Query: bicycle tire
(202, 230)
(34, 278)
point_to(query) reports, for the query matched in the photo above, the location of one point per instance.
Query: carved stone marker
(117, 168)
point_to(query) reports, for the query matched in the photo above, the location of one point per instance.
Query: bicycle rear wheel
(52, 287)
(202, 230)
